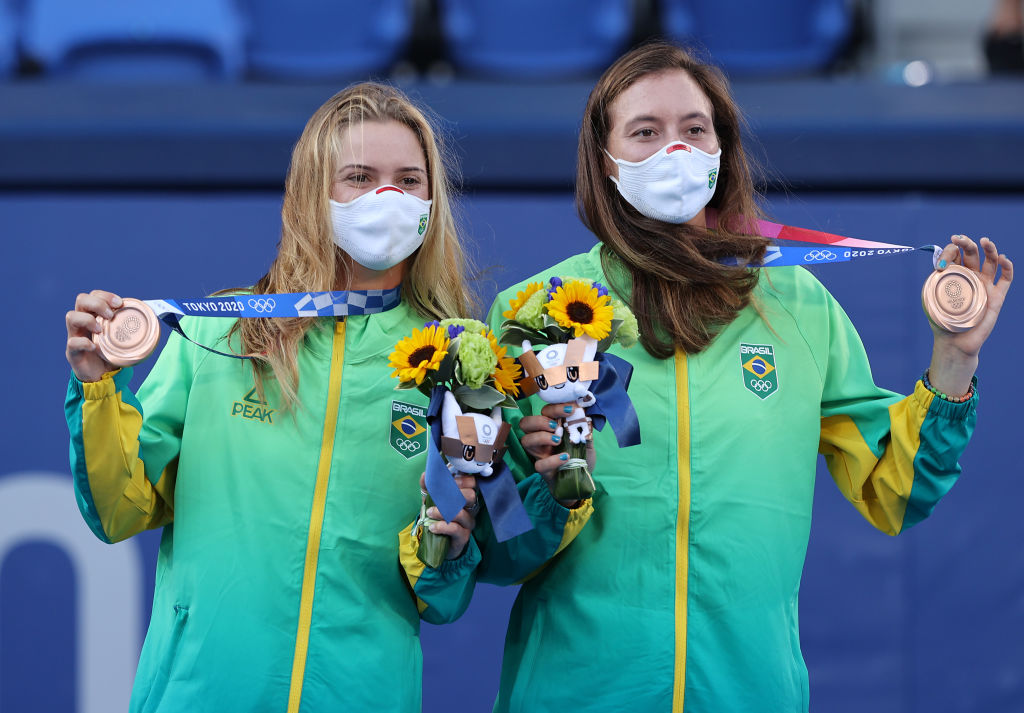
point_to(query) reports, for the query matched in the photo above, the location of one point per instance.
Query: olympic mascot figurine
(472, 443)
(563, 373)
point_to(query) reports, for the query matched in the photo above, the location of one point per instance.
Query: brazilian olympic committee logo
(423, 224)
(712, 177)
(408, 428)
(759, 373)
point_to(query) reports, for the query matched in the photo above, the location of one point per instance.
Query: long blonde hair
(435, 283)
(681, 294)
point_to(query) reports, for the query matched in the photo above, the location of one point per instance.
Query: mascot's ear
(496, 416)
(590, 348)
(449, 412)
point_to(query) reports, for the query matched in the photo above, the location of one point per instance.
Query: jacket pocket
(162, 670)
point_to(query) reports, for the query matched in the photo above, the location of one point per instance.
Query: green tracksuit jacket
(278, 584)
(681, 592)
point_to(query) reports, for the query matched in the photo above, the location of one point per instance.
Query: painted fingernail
(942, 263)
(568, 409)
(564, 456)
(556, 439)
(552, 424)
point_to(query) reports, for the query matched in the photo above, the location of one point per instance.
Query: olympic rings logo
(819, 255)
(760, 385)
(262, 305)
(409, 446)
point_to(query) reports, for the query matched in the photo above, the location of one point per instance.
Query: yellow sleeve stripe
(125, 499)
(408, 544)
(574, 524)
(878, 487)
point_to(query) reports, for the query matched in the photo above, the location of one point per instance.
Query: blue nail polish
(555, 439)
(564, 456)
(568, 409)
(942, 263)
(552, 424)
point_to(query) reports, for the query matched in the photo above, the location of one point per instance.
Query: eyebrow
(651, 117)
(364, 167)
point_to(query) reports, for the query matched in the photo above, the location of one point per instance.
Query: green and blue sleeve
(442, 593)
(124, 458)
(893, 458)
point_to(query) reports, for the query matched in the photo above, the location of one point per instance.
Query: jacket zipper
(316, 518)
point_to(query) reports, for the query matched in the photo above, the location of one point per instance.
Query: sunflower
(507, 372)
(579, 306)
(422, 352)
(520, 298)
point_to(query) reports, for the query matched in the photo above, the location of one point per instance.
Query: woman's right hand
(81, 352)
(542, 438)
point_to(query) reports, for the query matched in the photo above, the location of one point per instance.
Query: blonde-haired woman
(278, 585)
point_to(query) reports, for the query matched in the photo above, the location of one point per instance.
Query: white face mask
(672, 185)
(380, 228)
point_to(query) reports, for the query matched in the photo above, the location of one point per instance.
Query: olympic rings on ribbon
(262, 305)
(819, 255)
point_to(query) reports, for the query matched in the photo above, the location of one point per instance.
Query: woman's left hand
(955, 354)
(459, 528)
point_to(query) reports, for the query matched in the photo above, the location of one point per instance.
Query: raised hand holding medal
(982, 278)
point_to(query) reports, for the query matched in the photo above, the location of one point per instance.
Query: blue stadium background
(153, 166)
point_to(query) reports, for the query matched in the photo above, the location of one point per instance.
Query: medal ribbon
(342, 303)
(834, 248)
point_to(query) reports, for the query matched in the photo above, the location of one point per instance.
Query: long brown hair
(681, 294)
(435, 285)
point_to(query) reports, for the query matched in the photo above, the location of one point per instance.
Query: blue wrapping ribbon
(612, 401)
(508, 516)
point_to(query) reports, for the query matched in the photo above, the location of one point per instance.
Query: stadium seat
(784, 37)
(144, 40)
(325, 39)
(535, 39)
(8, 48)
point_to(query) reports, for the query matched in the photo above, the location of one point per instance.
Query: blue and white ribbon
(295, 304)
(343, 303)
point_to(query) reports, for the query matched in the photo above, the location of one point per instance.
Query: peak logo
(253, 408)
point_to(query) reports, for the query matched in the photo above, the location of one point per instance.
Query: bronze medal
(954, 298)
(130, 335)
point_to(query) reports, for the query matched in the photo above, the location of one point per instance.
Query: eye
(357, 178)
(572, 373)
(410, 182)
(644, 133)
(542, 381)
(696, 131)
(468, 452)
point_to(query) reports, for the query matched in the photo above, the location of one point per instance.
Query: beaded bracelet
(944, 397)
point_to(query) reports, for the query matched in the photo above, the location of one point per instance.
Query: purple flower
(455, 330)
(601, 289)
(432, 324)
(556, 282)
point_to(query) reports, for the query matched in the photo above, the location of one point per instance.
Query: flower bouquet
(460, 366)
(577, 320)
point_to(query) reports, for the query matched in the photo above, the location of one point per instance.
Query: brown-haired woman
(682, 588)
(281, 484)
